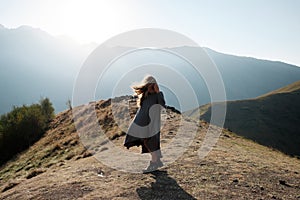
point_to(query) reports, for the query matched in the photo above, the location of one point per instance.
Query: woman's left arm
(161, 99)
(160, 96)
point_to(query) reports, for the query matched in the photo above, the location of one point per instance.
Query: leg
(154, 156)
(155, 162)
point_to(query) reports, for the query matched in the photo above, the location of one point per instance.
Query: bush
(22, 127)
(47, 109)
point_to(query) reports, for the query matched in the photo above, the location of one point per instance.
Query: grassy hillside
(59, 167)
(272, 119)
(294, 87)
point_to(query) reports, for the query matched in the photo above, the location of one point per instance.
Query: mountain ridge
(40, 65)
(249, 57)
(294, 87)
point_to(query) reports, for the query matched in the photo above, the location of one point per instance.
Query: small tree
(69, 104)
(47, 109)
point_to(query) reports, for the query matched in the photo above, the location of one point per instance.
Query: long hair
(142, 92)
(142, 89)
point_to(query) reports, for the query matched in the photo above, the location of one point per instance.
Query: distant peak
(2, 27)
(25, 27)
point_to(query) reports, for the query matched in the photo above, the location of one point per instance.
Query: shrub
(22, 127)
(47, 109)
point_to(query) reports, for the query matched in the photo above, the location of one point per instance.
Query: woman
(144, 130)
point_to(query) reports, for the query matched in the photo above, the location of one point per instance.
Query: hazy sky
(268, 29)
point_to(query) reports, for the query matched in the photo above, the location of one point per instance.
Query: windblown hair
(142, 92)
(142, 89)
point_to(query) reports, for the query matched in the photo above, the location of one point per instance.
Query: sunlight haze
(262, 29)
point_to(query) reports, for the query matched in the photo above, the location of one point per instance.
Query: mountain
(246, 77)
(272, 119)
(59, 167)
(243, 77)
(34, 63)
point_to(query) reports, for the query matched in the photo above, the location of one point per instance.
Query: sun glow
(93, 20)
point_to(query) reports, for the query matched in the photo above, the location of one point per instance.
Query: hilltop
(59, 167)
(272, 119)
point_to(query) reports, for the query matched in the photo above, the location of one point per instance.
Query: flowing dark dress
(144, 129)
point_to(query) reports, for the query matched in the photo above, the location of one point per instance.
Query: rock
(282, 182)
(235, 181)
(100, 173)
(34, 173)
(273, 197)
(86, 154)
(9, 186)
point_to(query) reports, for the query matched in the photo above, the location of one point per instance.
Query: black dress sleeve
(161, 99)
